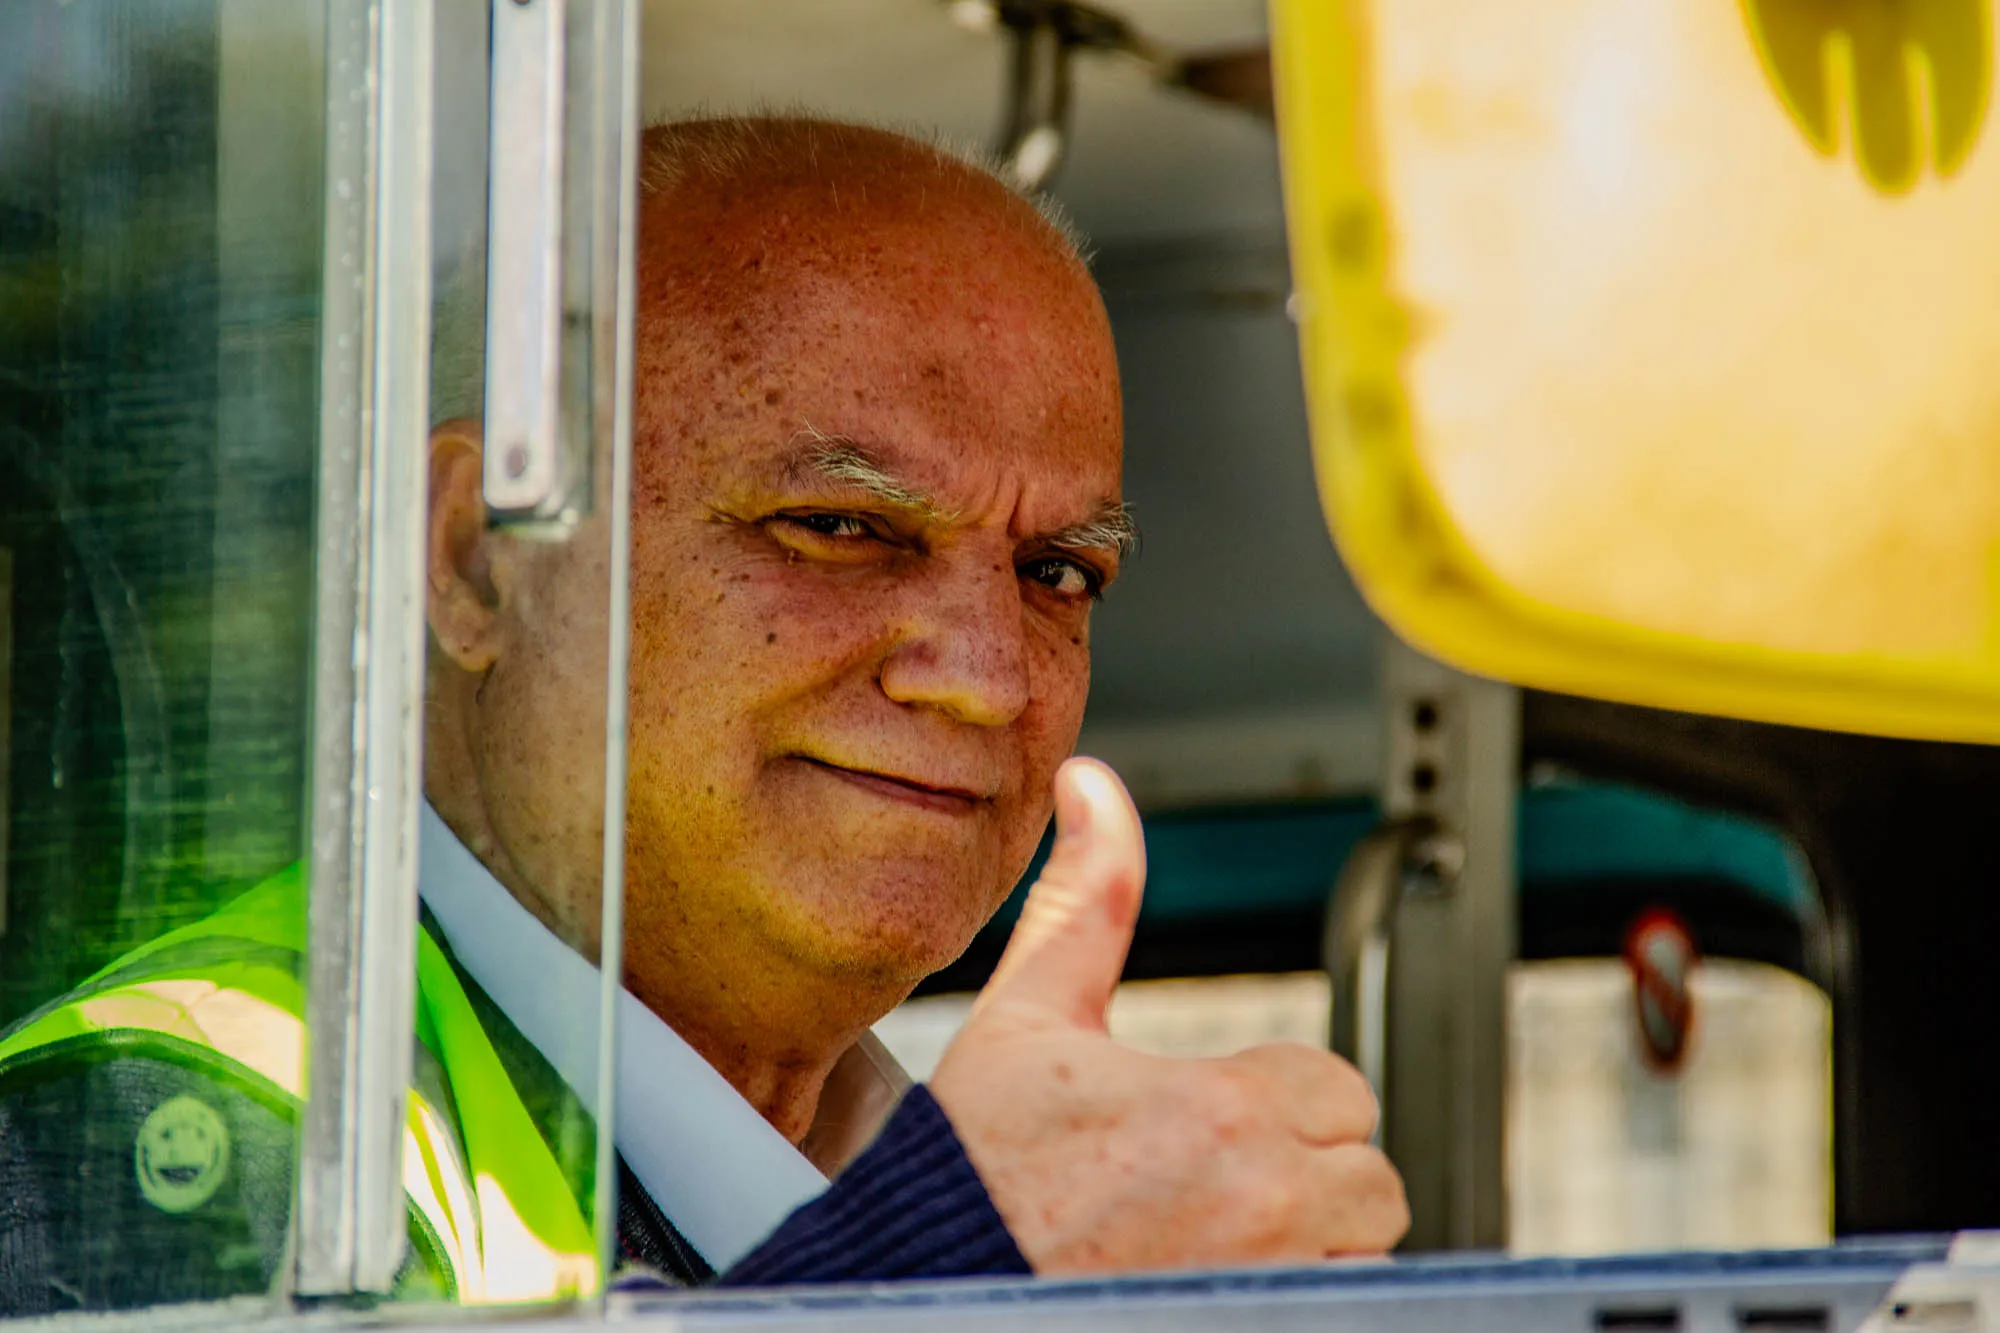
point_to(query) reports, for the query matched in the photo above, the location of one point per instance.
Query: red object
(1660, 950)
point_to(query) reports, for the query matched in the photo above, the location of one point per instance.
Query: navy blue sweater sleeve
(909, 1206)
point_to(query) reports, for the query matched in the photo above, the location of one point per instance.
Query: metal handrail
(1355, 948)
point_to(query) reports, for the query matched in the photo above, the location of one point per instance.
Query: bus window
(518, 842)
(227, 877)
(161, 280)
(1608, 1147)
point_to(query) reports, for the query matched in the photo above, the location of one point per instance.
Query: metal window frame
(348, 1223)
(531, 466)
(615, 281)
(1874, 1286)
(348, 1228)
(6, 713)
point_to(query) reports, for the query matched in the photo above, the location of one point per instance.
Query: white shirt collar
(712, 1163)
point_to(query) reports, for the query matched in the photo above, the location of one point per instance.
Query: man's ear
(463, 601)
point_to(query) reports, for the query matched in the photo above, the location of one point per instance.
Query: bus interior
(1824, 1077)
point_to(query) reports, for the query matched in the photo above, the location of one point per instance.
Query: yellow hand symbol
(1893, 107)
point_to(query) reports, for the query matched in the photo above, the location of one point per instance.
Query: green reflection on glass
(160, 177)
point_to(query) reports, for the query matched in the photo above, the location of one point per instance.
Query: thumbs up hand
(1102, 1159)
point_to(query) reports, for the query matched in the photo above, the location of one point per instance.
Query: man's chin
(881, 934)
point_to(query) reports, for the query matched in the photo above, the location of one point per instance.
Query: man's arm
(911, 1205)
(1045, 1144)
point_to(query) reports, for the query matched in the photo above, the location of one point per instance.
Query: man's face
(870, 447)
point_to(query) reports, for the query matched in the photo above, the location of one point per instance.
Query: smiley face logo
(182, 1155)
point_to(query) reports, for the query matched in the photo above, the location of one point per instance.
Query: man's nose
(962, 647)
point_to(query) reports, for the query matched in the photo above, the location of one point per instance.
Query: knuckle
(1368, 1109)
(1331, 1101)
(1346, 1081)
(1274, 1215)
(1386, 1205)
(1291, 1203)
(1359, 1108)
(1395, 1222)
(1275, 1230)
(1288, 1055)
(1232, 1100)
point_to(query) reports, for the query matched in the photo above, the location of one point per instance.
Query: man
(876, 477)
(875, 494)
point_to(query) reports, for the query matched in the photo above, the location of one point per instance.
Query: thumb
(1068, 948)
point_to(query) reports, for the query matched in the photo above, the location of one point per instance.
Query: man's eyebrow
(837, 459)
(840, 460)
(1112, 527)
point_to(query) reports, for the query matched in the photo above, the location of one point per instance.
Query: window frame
(369, 642)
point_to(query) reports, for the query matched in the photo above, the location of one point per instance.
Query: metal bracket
(1035, 136)
(1360, 922)
(533, 477)
(1419, 937)
(1037, 132)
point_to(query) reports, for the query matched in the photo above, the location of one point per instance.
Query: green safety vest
(491, 1210)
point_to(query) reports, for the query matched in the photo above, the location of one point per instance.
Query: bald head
(733, 154)
(769, 241)
(726, 151)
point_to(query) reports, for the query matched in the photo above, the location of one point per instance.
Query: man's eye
(1066, 577)
(836, 526)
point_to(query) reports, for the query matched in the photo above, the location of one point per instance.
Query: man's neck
(775, 1034)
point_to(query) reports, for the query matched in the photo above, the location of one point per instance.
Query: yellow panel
(1653, 346)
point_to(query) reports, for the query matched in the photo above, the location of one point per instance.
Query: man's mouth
(950, 800)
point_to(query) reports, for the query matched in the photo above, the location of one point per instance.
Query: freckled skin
(773, 909)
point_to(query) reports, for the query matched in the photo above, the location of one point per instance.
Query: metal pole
(1453, 755)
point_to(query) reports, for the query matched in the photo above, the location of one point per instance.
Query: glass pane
(160, 167)
(524, 691)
